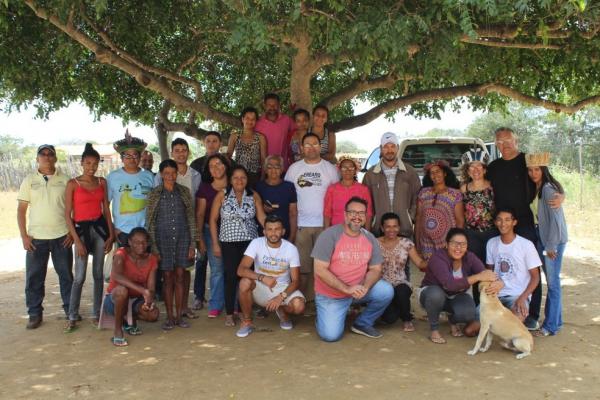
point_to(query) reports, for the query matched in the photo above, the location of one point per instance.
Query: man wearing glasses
(128, 187)
(311, 177)
(348, 270)
(42, 193)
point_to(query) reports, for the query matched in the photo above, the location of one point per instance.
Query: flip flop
(182, 323)
(229, 321)
(70, 327)
(437, 340)
(189, 314)
(133, 330)
(408, 327)
(167, 325)
(119, 341)
(456, 332)
(541, 333)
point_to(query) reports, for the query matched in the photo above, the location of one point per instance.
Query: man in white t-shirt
(516, 262)
(311, 177)
(275, 280)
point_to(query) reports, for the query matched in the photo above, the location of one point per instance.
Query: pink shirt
(278, 135)
(336, 197)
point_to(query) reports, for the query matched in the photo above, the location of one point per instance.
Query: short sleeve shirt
(46, 204)
(275, 262)
(512, 263)
(279, 197)
(349, 257)
(127, 194)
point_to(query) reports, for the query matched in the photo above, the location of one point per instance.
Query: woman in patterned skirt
(238, 208)
(439, 208)
(171, 224)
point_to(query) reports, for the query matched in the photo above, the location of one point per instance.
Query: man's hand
(148, 298)
(68, 242)
(556, 200)
(269, 281)
(357, 291)
(520, 308)
(551, 254)
(80, 249)
(495, 287)
(274, 303)
(28, 243)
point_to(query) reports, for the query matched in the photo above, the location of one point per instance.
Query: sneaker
(285, 325)
(34, 321)
(367, 331)
(244, 331)
(531, 324)
(214, 313)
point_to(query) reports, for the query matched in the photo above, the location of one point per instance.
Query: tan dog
(500, 321)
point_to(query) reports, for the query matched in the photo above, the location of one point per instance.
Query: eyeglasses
(130, 156)
(311, 145)
(348, 168)
(462, 245)
(353, 213)
(269, 166)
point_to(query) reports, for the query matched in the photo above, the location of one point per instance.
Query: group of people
(282, 224)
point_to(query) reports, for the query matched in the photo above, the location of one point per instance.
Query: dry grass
(8, 215)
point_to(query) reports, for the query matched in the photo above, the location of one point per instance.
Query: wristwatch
(284, 295)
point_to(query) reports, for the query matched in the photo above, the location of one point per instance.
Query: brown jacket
(406, 188)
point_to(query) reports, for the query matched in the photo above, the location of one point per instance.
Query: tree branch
(459, 91)
(498, 43)
(146, 78)
(190, 129)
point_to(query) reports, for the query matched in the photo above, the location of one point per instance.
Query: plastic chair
(108, 321)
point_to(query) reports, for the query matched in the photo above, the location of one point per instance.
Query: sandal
(168, 325)
(70, 327)
(182, 323)
(456, 332)
(229, 321)
(541, 333)
(119, 341)
(133, 330)
(408, 327)
(189, 314)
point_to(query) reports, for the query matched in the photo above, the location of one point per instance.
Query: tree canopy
(184, 62)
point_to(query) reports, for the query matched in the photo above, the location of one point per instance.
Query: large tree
(192, 61)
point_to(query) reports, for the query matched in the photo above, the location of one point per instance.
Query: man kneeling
(133, 276)
(275, 280)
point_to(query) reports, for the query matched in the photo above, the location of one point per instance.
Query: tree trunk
(300, 75)
(162, 135)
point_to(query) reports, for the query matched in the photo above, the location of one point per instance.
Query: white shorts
(262, 294)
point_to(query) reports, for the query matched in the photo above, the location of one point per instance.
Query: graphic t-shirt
(348, 257)
(274, 262)
(127, 194)
(311, 182)
(512, 263)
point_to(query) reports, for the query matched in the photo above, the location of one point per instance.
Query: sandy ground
(207, 361)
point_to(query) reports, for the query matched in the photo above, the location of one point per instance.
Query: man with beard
(276, 127)
(394, 186)
(275, 280)
(348, 270)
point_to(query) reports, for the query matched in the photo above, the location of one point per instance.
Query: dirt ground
(207, 361)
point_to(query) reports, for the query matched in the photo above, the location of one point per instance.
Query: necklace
(272, 257)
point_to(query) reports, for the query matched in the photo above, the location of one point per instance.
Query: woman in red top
(90, 226)
(133, 275)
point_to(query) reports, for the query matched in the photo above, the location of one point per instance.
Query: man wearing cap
(394, 186)
(128, 188)
(42, 193)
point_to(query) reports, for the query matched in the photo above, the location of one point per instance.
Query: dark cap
(46, 146)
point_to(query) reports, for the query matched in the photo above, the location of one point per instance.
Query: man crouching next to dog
(133, 276)
(515, 260)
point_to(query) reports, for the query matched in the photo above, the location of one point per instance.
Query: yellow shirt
(46, 204)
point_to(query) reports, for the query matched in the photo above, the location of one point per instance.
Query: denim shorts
(109, 305)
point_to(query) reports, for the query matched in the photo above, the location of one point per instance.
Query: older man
(42, 193)
(348, 270)
(394, 186)
(276, 127)
(147, 161)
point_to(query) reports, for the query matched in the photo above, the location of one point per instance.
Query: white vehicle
(420, 151)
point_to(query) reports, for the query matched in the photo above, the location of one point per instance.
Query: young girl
(90, 225)
(552, 233)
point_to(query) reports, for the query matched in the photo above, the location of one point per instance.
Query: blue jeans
(36, 266)
(331, 313)
(217, 277)
(97, 252)
(553, 308)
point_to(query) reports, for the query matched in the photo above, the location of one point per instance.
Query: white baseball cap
(389, 137)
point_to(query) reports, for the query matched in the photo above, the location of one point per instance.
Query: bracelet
(260, 277)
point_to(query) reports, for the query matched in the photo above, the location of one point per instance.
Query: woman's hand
(202, 246)
(108, 244)
(191, 253)
(216, 249)
(551, 254)
(80, 249)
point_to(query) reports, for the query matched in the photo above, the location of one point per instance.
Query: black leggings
(399, 306)
(232, 253)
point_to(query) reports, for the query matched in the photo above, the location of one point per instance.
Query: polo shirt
(46, 204)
